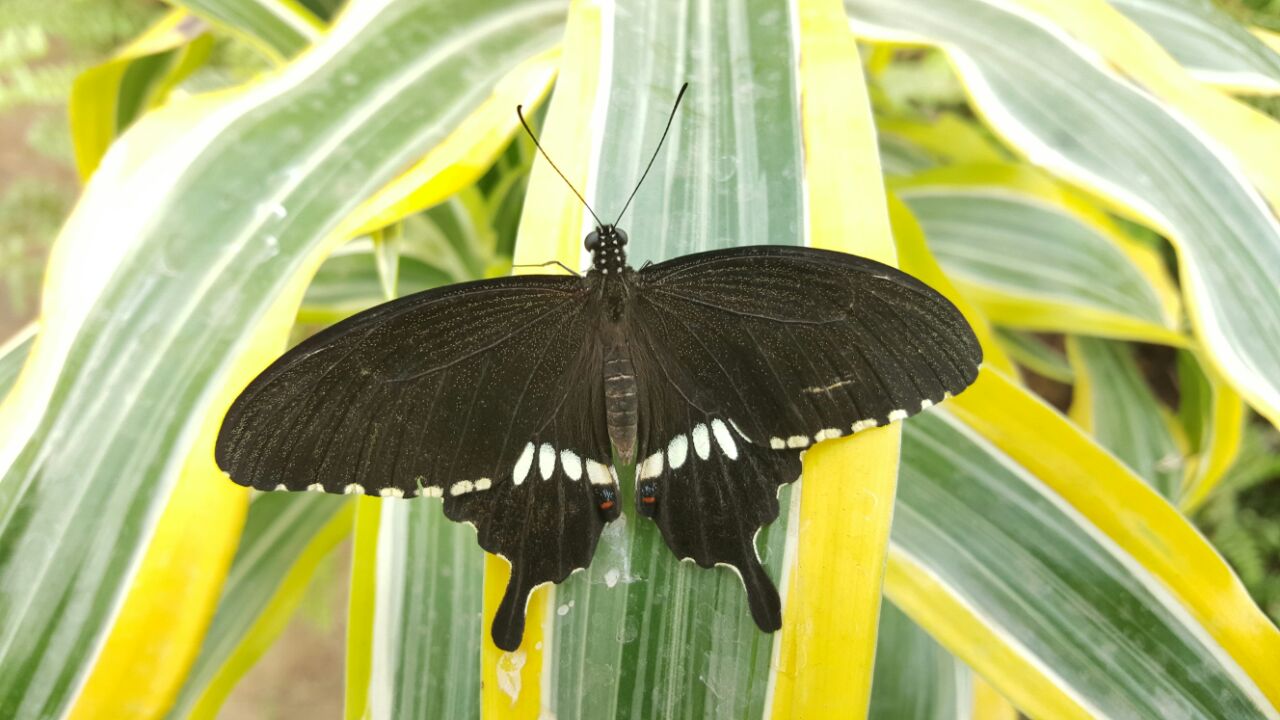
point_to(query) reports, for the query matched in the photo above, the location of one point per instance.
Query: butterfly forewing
(800, 345)
(476, 393)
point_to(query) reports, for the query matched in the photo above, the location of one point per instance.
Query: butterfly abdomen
(621, 402)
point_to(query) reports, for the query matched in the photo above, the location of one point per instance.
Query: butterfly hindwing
(708, 488)
(461, 393)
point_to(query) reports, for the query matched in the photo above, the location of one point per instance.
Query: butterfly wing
(474, 393)
(772, 349)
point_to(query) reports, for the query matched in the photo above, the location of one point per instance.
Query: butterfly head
(607, 245)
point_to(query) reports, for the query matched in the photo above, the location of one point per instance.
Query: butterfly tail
(508, 623)
(762, 595)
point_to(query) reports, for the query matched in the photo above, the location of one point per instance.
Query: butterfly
(511, 399)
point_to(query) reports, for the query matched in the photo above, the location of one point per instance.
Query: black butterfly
(508, 399)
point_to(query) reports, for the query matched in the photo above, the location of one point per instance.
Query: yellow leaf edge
(824, 654)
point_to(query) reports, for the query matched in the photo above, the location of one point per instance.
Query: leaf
(13, 352)
(1036, 355)
(280, 29)
(285, 537)
(1208, 42)
(1033, 257)
(1113, 402)
(427, 615)
(916, 678)
(108, 97)
(1186, 161)
(1038, 559)
(266, 184)
(1213, 417)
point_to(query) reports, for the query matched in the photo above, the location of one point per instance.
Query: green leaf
(1036, 355)
(107, 98)
(1113, 402)
(1208, 42)
(915, 677)
(223, 204)
(279, 28)
(285, 537)
(1032, 265)
(1051, 587)
(1213, 417)
(13, 353)
(427, 629)
(1187, 163)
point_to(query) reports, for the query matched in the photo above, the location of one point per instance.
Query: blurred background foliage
(43, 47)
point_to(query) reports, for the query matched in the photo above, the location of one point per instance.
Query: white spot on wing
(677, 451)
(701, 441)
(353, 489)
(926, 404)
(462, 487)
(897, 415)
(483, 484)
(434, 492)
(546, 461)
(521, 469)
(724, 439)
(315, 487)
(651, 467)
(864, 425)
(572, 464)
(280, 487)
(598, 473)
(739, 431)
(394, 492)
(797, 441)
(777, 443)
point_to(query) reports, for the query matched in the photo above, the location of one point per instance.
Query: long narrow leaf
(235, 201)
(108, 97)
(1036, 557)
(1198, 182)
(285, 537)
(279, 28)
(1032, 256)
(1113, 402)
(13, 353)
(916, 678)
(1205, 40)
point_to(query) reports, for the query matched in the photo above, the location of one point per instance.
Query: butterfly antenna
(520, 114)
(665, 130)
